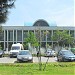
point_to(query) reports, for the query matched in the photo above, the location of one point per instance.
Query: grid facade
(17, 34)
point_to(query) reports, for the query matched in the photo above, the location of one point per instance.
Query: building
(16, 34)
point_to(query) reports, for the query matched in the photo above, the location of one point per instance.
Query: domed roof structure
(40, 22)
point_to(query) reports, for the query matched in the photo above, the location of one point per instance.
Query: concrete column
(16, 36)
(74, 33)
(4, 39)
(13, 36)
(51, 36)
(7, 42)
(69, 34)
(46, 39)
(22, 36)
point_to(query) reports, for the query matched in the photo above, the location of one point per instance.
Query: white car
(50, 52)
(24, 56)
(15, 48)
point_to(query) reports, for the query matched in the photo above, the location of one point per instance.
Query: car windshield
(68, 53)
(24, 53)
(1, 51)
(15, 47)
(49, 50)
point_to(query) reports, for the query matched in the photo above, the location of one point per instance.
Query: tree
(4, 6)
(31, 39)
(0, 47)
(0, 29)
(35, 42)
(63, 38)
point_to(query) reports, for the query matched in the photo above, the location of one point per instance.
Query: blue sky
(26, 12)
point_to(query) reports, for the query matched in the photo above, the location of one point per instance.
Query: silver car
(24, 56)
(1, 53)
(50, 52)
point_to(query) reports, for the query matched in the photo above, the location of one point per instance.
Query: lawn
(66, 68)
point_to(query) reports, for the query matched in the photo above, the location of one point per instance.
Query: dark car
(24, 56)
(1, 53)
(65, 55)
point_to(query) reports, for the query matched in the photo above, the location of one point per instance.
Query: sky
(27, 12)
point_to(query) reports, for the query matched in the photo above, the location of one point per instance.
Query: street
(35, 59)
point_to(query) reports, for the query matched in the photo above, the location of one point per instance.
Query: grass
(66, 68)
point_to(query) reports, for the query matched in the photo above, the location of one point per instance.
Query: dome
(40, 22)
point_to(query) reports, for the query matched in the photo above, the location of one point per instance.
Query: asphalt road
(35, 59)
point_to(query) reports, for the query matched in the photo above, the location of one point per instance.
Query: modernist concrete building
(16, 34)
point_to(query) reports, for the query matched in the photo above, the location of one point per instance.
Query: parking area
(35, 59)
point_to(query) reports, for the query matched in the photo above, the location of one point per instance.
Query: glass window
(19, 35)
(14, 35)
(10, 35)
(72, 33)
(5, 35)
(37, 34)
(25, 34)
(2, 36)
(43, 35)
(49, 34)
(15, 47)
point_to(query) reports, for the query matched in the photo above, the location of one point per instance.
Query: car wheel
(0, 56)
(62, 60)
(58, 60)
(31, 61)
(10, 56)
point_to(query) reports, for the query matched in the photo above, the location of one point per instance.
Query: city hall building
(17, 34)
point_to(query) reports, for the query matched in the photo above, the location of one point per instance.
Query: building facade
(17, 34)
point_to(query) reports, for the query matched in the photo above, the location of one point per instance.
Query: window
(25, 34)
(10, 35)
(19, 35)
(1, 36)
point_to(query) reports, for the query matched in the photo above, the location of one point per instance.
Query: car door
(59, 57)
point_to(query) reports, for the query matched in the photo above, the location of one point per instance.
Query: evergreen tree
(4, 6)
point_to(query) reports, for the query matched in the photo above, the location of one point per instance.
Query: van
(15, 48)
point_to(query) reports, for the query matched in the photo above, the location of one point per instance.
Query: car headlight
(30, 57)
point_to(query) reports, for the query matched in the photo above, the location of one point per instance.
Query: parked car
(1, 53)
(15, 48)
(24, 55)
(50, 52)
(65, 55)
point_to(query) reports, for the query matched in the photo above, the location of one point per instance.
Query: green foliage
(0, 29)
(32, 69)
(31, 39)
(0, 47)
(4, 6)
(62, 37)
(73, 50)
